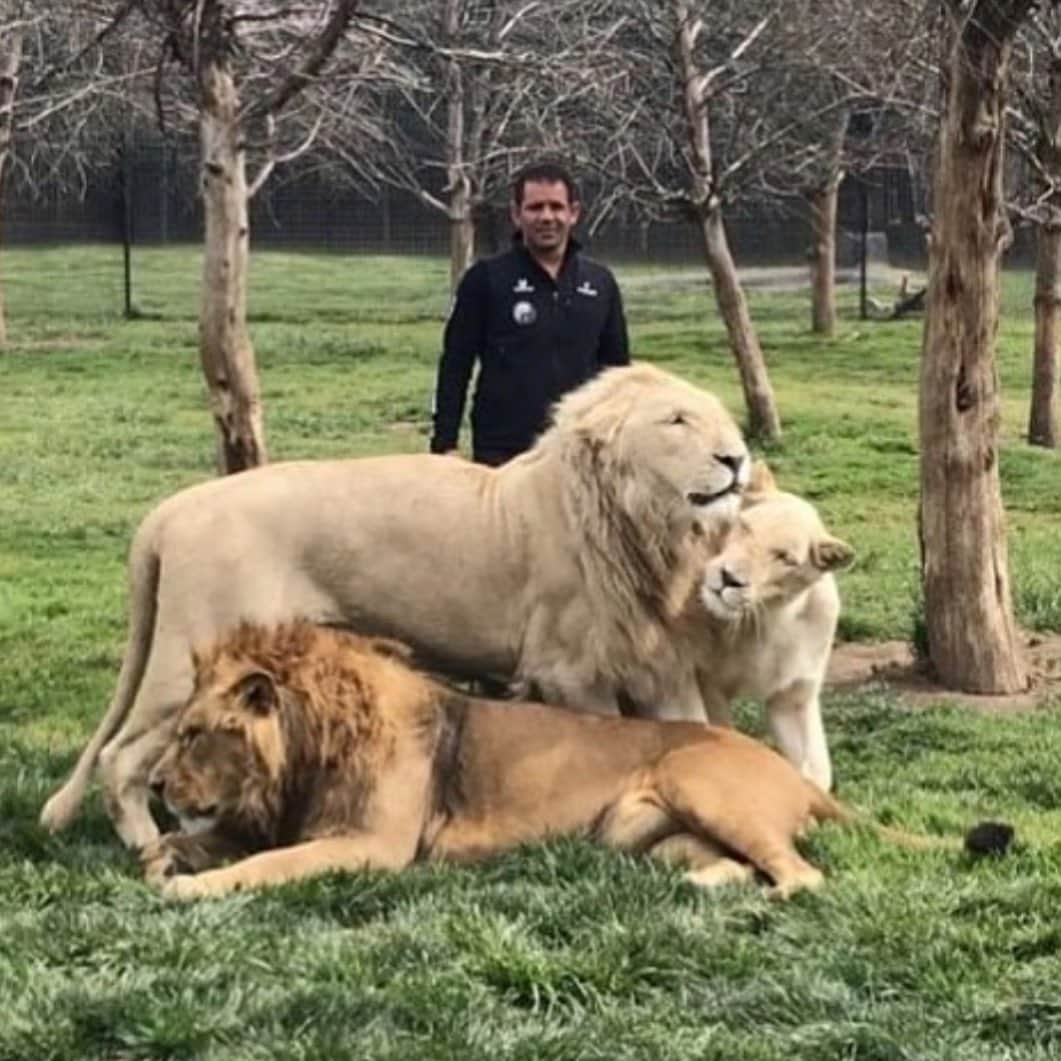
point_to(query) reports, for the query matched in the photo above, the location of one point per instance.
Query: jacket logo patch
(586, 288)
(524, 313)
(522, 286)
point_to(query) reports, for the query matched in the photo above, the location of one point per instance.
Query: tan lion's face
(227, 756)
(686, 437)
(777, 548)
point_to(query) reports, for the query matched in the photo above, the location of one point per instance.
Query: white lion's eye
(676, 418)
(785, 557)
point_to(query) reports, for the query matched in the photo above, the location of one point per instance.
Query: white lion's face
(687, 438)
(776, 549)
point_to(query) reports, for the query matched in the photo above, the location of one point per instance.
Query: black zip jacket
(535, 338)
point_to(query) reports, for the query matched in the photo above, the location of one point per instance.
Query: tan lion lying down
(319, 752)
(566, 568)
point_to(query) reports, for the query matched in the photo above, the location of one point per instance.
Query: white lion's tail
(64, 804)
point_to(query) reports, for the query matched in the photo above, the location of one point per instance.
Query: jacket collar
(572, 249)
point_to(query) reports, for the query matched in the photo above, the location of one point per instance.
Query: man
(540, 319)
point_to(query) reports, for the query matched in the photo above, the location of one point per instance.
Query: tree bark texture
(764, 423)
(763, 420)
(823, 198)
(823, 202)
(1042, 421)
(224, 343)
(461, 241)
(10, 62)
(973, 641)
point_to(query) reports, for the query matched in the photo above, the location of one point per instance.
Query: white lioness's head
(777, 548)
(659, 437)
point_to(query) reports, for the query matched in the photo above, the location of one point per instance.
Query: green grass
(559, 951)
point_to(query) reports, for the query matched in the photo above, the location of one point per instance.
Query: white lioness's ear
(761, 484)
(832, 554)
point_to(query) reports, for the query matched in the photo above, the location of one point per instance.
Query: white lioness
(567, 568)
(762, 625)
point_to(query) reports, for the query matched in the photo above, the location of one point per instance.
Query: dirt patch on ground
(894, 665)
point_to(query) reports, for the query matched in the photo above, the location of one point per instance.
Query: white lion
(565, 569)
(762, 625)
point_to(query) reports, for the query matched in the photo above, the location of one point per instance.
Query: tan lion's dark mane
(334, 727)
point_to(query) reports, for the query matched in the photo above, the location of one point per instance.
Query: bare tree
(720, 105)
(675, 138)
(1036, 131)
(840, 101)
(252, 83)
(10, 65)
(479, 96)
(60, 100)
(972, 637)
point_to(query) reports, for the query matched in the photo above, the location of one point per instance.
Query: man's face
(545, 217)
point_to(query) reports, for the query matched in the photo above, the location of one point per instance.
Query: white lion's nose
(731, 461)
(732, 581)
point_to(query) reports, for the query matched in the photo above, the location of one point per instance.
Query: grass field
(560, 951)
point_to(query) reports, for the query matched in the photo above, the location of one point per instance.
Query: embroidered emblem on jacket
(522, 286)
(586, 288)
(524, 313)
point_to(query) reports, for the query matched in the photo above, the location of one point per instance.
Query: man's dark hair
(544, 172)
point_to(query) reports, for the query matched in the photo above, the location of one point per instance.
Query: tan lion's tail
(64, 804)
(985, 838)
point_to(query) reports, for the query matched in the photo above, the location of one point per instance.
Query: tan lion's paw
(809, 879)
(158, 861)
(183, 887)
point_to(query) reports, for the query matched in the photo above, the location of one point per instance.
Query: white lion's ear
(257, 691)
(832, 554)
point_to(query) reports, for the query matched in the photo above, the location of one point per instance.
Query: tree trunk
(10, 61)
(225, 346)
(763, 420)
(823, 202)
(972, 637)
(461, 234)
(823, 197)
(1042, 421)
(458, 187)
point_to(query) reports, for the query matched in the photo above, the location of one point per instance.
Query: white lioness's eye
(676, 418)
(785, 557)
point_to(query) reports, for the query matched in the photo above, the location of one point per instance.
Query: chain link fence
(148, 198)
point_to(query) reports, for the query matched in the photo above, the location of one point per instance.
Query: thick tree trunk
(1042, 421)
(823, 203)
(10, 62)
(972, 637)
(763, 420)
(225, 347)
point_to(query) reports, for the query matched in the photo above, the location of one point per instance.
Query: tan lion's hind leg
(635, 822)
(706, 864)
(746, 798)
